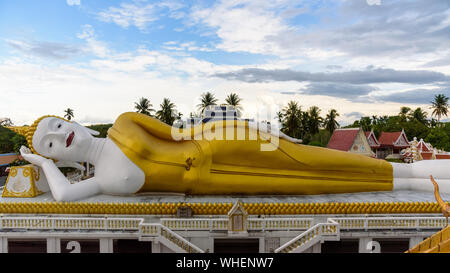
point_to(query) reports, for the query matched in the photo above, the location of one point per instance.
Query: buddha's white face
(61, 140)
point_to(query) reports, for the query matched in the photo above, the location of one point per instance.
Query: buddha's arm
(416, 176)
(62, 189)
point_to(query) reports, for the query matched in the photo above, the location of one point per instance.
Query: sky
(360, 57)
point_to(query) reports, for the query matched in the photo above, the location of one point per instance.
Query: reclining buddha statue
(142, 154)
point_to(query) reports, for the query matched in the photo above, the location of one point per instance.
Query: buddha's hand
(32, 158)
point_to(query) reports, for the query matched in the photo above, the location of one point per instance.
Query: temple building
(351, 140)
(391, 143)
(421, 150)
(373, 141)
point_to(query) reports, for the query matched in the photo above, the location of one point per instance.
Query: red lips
(69, 139)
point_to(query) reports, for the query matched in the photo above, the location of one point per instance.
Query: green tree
(167, 113)
(234, 100)
(315, 120)
(419, 115)
(101, 128)
(18, 141)
(439, 139)
(330, 122)
(144, 106)
(206, 99)
(404, 110)
(68, 114)
(292, 117)
(439, 106)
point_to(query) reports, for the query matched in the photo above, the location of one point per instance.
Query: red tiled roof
(442, 156)
(423, 146)
(342, 139)
(388, 138)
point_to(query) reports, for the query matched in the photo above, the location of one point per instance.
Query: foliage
(167, 113)
(68, 114)
(234, 100)
(439, 139)
(316, 143)
(101, 128)
(330, 121)
(144, 106)
(6, 144)
(206, 99)
(396, 160)
(439, 106)
(18, 141)
(19, 162)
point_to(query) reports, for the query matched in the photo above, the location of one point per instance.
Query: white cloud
(373, 2)
(73, 2)
(242, 25)
(94, 46)
(138, 14)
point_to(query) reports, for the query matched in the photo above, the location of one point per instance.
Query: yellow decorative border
(219, 208)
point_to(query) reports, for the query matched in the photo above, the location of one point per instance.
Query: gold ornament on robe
(201, 165)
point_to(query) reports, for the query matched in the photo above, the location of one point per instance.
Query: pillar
(363, 243)
(106, 245)
(413, 241)
(156, 247)
(3, 245)
(53, 245)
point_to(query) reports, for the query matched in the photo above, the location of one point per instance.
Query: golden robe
(195, 165)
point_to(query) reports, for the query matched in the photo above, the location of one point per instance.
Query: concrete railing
(279, 223)
(318, 233)
(222, 223)
(68, 223)
(195, 223)
(366, 223)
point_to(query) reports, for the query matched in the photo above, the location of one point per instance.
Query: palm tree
(292, 118)
(68, 113)
(167, 113)
(439, 106)
(144, 107)
(207, 99)
(419, 115)
(234, 100)
(314, 120)
(404, 110)
(330, 121)
(280, 117)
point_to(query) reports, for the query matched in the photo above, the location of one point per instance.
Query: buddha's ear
(70, 164)
(92, 132)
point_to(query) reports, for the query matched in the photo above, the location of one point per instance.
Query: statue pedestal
(25, 181)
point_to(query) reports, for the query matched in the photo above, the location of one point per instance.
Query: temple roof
(393, 139)
(342, 139)
(372, 139)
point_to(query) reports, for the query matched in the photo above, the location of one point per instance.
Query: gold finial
(444, 207)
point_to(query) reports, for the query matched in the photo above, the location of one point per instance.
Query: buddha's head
(57, 138)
